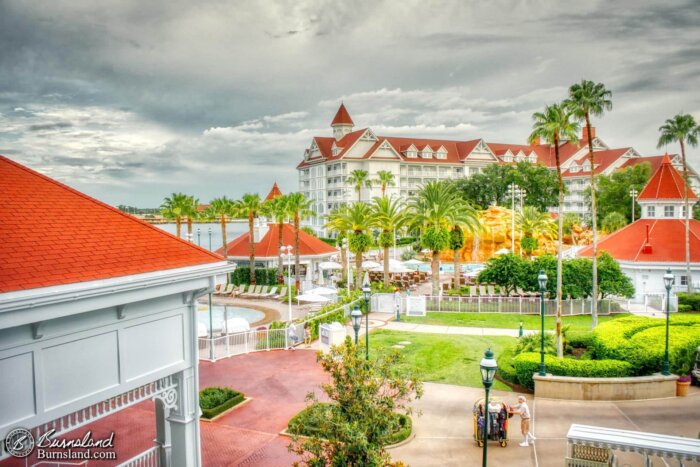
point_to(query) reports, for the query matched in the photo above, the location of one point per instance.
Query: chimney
(535, 142)
(647, 249)
(584, 133)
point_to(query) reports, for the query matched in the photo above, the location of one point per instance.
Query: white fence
(386, 303)
(148, 458)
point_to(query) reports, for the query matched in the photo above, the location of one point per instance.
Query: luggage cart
(498, 421)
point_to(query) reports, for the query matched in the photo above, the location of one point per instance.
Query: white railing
(148, 458)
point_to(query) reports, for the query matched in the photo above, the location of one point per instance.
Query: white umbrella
(330, 265)
(322, 291)
(311, 298)
(413, 262)
(202, 330)
(370, 264)
(502, 251)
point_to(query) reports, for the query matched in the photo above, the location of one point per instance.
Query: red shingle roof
(602, 159)
(268, 246)
(627, 243)
(666, 183)
(654, 161)
(342, 117)
(52, 235)
(274, 192)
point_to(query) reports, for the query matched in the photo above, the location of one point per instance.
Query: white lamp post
(347, 263)
(633, 195)
(287, 251)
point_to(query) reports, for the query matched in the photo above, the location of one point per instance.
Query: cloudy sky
(130, 100)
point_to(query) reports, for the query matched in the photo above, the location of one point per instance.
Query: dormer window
(587, 167)
(426, 153)
(520, 157)
(337, 151)
(441, 155)
(575, 168)
(508, 158)
(411, 154)
(532, 158)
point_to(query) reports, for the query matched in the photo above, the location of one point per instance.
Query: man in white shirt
(523, 410)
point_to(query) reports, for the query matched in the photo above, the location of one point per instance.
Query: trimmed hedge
(691, 300)
(506, 370)
(263, 276)
(215, 400)
(527, 364)
(579, 339)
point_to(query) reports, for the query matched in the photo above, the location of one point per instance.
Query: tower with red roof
(342, 124)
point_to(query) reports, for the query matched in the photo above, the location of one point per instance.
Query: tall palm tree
(359, 178)
(298, 207)
(533, 222)
(336, 224)
(175, 207)
(435, 210)
(357, 220)
(388, 215)
(249, 207)
(277, 209)
(456, 244)
(384, 179)
(585, 99)
(554, 125)
(191, 214)
(221, 209)
(682, 128)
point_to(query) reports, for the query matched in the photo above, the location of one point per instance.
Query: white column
(184, 421)
(163, 432)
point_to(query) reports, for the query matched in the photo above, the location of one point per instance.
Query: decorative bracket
(168, 398)
(120, 311)
(187, 298)
(38, 330)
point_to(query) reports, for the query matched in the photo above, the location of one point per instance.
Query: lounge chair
(253, 289)
(491, 291)
(482, 291)
(238, 291)
(281, 295)
(226, 291)
(260, 293)
(270, 294)
(217, 289)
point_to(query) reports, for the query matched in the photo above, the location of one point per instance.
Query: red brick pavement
(277, 382)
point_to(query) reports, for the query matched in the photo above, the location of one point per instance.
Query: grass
(506, 321)
(443, 358)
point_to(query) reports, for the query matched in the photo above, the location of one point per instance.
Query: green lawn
(505, 321)
(443, 359)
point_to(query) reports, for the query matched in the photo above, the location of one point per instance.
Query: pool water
(219, 313)
(450, 268)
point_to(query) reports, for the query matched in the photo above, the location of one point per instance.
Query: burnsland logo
(19, 442)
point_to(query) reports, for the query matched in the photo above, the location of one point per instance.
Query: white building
(328, 161)
(647, 247)
(97, 313)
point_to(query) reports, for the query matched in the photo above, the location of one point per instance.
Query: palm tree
(336, 224)
(249, 206)
(613, 221)
(553, 125)
(175, 207)
(388, 215)
(191, 213)
(436, 209)
(359, 178)
(456, 244)
(298, 207)
(220, 209)
(356, 220)
(586, 99)
(277, 209)
(533, 222)
(384, 179)
(682, 128)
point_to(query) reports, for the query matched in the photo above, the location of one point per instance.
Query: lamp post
(668, 282)
(286, 251)
(347, 263)
(521, 194)
(488, 368)
(210, 239)
(356, 317)
(199, 243)
(513, 189)
(633, 195)
(366, 291)
(542, 280)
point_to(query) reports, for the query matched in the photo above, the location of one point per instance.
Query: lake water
(200, 233)
(450, 267)
(219, 313)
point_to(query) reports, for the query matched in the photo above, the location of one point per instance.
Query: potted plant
(685, 359)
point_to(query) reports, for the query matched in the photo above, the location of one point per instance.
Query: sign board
(415, 305)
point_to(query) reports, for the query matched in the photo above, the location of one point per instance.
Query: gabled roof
(268, 246)
(627, 243)
(274, 192)
(603, 160)
(52, 235)
(342, 117)
(666, 183)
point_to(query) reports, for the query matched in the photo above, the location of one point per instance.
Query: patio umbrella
(413, 262)
(330, 265)
(322, 291)
(312, 298)
(370, 264)
(502, 251)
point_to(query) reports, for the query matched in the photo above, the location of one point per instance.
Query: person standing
(292, 334)
(522, 409)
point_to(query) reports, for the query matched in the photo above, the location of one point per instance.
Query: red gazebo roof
(274, 192)
(666, 183)
(268, 246)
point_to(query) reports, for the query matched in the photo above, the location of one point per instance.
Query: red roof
(274, 192)
(627, 243)
(654, 161)
(268, 246)
(666, 183)
(52, 235)
(602, 159)
(342, 117)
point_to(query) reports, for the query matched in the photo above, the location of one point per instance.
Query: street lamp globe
(366, 292)
(356, 317)
(542, 280)
(488, 367)
(668, 279)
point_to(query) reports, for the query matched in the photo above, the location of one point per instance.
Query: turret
(342, 124)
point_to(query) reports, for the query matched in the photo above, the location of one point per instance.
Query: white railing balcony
(148, 458)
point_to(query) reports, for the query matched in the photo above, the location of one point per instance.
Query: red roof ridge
(105, 205)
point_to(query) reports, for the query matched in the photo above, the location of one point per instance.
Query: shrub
(527, 364)
(506, 370)
(580, 339)
(330, 241)
(692, 300)
(408, 254)
(685, 308)
(323, 316)
(263, 276)
(215, 400)
(532, 343)
(402, 241)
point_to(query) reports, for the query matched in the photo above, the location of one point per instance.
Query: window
(684, 280)
(532, 158)
(442, 155)
(669, 211)
(426, 154)
(651, 211)
(411, 154)
(507, 158)
(683, 211)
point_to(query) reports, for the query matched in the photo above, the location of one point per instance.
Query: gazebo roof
(268, 246)
(274, 192)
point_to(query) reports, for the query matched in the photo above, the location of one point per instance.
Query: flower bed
(215, 400)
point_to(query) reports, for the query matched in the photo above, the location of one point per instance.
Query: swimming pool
(450, 268)
(220, 313)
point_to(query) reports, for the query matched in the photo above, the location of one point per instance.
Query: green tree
(611, 280)
(585, 99)
(175, 207)
(299, 208)
(384, 179)
(505, 270)
(359, 178)
(191, 213)
(456, 244)
(249, 207)
(335, 223)
(554, 125)
(682, 129)
(577, 278)
(539, 182)
(357, 221)
(435, 210)
(534, 223)
(613, 191)
(613, 221)
(365, 398)
(388, 215)
(278, 209)
(221, 209)
(571, 222)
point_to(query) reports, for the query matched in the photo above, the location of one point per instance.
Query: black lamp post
(668, 282)
(199, 243)
(488, 368)
(210, 239)
(366, 291)
(356, 317)
(542, 280)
